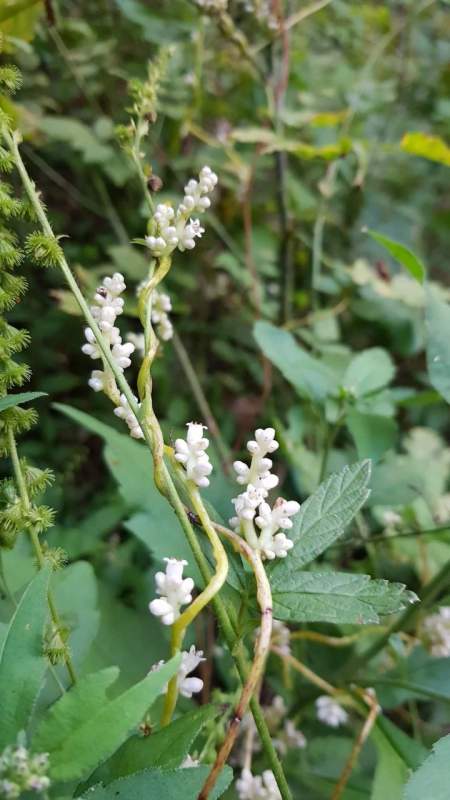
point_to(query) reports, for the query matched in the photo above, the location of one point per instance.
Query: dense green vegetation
(308, 302)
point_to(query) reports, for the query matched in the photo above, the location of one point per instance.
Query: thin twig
(357, 747)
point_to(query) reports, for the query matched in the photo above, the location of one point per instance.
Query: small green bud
(43, 250)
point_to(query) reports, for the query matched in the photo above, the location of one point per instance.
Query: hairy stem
(40, 558)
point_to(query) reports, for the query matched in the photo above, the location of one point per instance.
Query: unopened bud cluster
(161, 307)
(172, 228)
(251, 505)
(192, 454)
(22, 772)
(107, 306)
(174, 592)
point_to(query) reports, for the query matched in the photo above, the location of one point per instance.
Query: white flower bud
(174, 590)
(330, 712)
(191, 453)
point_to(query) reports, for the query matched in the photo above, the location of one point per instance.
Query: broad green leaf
(427, 146)
(75, 707)
(401, 253)
(131, 465)
(336, 597)
(324, 516)
(419, 676)
(180, 784)
(14, 8)
(438, 344)
(154, 27)
(310, 376)
(12, 400)
(130, 627)
(368, 372)
(391, 771)
(165, 749)
(432, 778)
(387, 489)
(372, 434)
(129, 260)
(22, 661)
(89, 744)
(409, 750)
(78, 609)
(79, 136)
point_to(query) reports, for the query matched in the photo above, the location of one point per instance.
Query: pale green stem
(26, 503)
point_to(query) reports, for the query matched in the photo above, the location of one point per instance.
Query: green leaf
(368, 372)
(165, 749)
(402, 254)
(75, 707)
(15, 7)
(438, 343)
(22, 661)
(324, 516)
(431, 779)
(418, 676)
(89, 744)
(336, 597)
(308, 375)
(78, 609)
(180, 784)
(77, 135)
(427, 146)
(391, 771)
(372, 434)
(12, 400)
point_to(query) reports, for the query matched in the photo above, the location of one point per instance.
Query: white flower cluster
(170, 228)
(281, 637)
(435, 632)
(251, 504)
(212, 5)
(189, 662)
(108, 305)
(161, 306)
(174, 590)
(123, 411)
(257, 787)
(289, 738)
(22, 772)
(262, 11)
(330, 712)
(192, 454)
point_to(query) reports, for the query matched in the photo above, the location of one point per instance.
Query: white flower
(97, 380)
(330, 712)
(258, 474)
(161, 306)
(138, 340)
(289, 739)
(435, 632)
(191, 453)
(274, 713)
(189, 762)
(246, 503)
(272, 543)
(257, 787)
(174, 590)
(171, 229)
(123, 411)
(189, 661)
(281, 637)
(391, 519)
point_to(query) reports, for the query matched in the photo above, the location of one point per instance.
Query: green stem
(26, 503)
